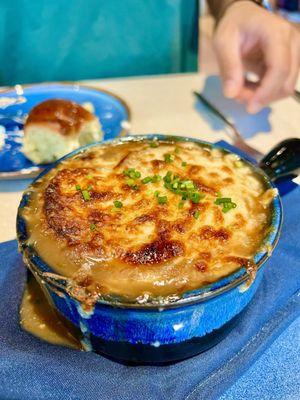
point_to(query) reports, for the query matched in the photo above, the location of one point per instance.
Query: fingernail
(230, 89)
(254, 108)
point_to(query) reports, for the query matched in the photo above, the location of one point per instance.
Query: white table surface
(165, 104)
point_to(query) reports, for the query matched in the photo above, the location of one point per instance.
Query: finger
(253, 60)
(247, 92)
(229, 60)
(277, 58)
(252, 80)
(290, 83)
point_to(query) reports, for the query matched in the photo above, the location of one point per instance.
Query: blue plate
(16, 103)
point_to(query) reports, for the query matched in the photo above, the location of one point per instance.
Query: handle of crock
(283, 159)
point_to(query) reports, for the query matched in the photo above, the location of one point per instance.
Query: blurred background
(89, 39)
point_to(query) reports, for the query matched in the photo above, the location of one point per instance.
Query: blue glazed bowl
(154, 332)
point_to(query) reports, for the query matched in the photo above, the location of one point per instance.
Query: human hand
(251, 39)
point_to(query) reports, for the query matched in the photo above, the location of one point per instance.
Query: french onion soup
(147, 219)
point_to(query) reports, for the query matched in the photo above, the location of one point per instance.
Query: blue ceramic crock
(154, 332)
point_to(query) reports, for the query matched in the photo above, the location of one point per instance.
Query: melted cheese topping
(145, 248)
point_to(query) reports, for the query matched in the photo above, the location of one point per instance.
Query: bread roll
(56, 127)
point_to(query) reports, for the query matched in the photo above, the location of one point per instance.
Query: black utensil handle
(283, 159)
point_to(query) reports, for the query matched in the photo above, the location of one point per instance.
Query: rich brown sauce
(40, 319)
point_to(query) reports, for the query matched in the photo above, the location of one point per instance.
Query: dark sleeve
(217, 7)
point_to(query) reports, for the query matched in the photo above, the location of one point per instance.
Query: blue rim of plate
(231, 281)
(116, 131)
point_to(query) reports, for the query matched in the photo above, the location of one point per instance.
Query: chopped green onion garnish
(183, 187)
(156, 178)
(92, 227)
(162, 199)
(86, 196)
(78, 187)
(226, 203)
(132, 173)
(196, 214)
(89, 176)
(189, 185)
(180, 204)
(168, 177)
(130, 182)
(169, 158)
(195, 197)
(148, 179)
(228, 206)
(128, 171)
(89, 187)
(153, 144)
(185, 196)
(118, 204)
(156, 193)
(183, 164)
(222, 200)
(225, 209)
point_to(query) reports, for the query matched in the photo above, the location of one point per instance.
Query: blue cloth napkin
(32, 369)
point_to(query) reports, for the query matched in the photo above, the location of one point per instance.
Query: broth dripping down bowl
(159, 323)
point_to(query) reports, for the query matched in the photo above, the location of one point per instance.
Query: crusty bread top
(65, 114)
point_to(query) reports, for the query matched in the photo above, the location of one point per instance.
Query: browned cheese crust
(156, 243)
